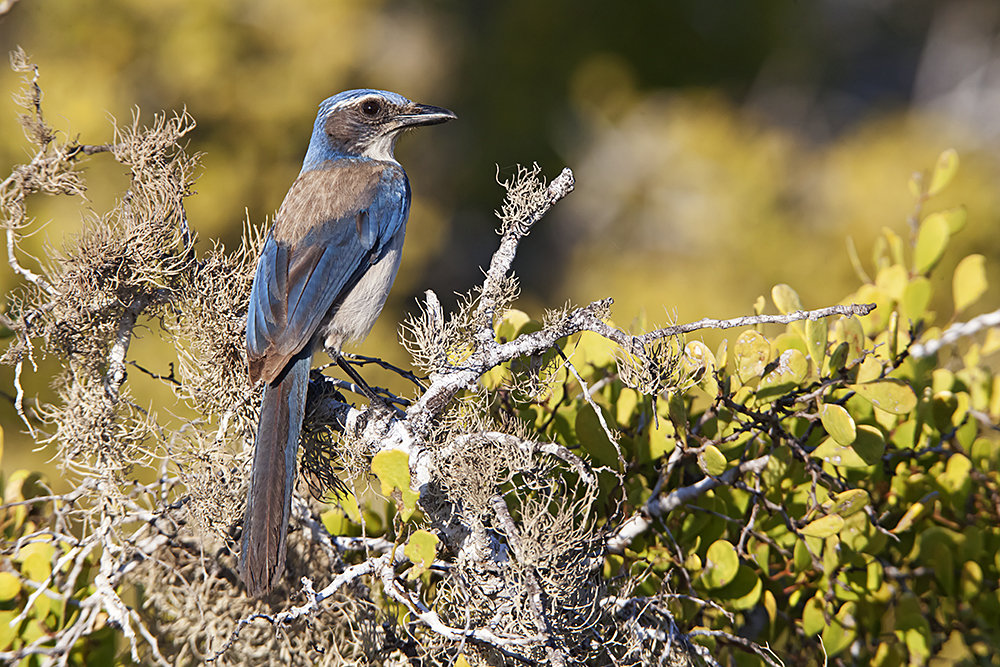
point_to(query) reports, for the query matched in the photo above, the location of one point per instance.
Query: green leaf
(743, 592)
(869, 444)
(721, 564)
(813, 617)
(932, 239)
(824, 527)
(969, 282)
(392, 467)
(970, 580)
(888, 394)
(712, 461)
(421, 549)
(842, 630)
(752, 352)
(593, 439)
(838, 423)
(944, 171)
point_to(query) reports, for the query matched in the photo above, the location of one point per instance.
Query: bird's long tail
(265, 525)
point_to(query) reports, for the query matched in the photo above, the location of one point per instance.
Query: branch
(659, 505)
(517, 224)
(955, 332)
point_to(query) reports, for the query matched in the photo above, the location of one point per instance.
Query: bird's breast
(353, 316)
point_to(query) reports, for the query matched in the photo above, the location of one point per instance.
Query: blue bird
(322, 279)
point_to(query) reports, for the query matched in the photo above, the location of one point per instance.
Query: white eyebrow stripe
(353, 101)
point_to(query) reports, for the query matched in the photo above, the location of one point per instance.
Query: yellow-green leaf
(969, 282)
(838, 423)
(461, 661)
(813, 618)
(785, 299)
(913, 512)
(721, 564)
(944, 171)
(752, 351)
(421, 549)
(824, 527)
(888, 394)
(10, 586)
(954, 218)
(840, 633)
(932, 239)
(713, 461)
(866, 449)
(790, 370)
(848, 502)
(916, 297)
(511, 324)
(892, 280)
(816, 339)
(869, 370)
(392, 467)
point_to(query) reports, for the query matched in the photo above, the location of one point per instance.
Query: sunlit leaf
(838, 423)
(848, 502)
(916, 297)
(824, 526)
(954, 218)
(816, 337)
(969, 282)
(888, 394)
(785, 299)
(10, 586)
(392, 467)
(892, 280)
(713, 461)
(944, 171)
(421, 549)
(751, 351)
(813, 616)
(932, 239)
(721, 564)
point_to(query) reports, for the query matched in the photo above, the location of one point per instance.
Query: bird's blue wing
(319, 248)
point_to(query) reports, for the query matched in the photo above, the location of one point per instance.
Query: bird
(322, 277)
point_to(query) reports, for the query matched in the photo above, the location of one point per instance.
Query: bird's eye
(371, 108)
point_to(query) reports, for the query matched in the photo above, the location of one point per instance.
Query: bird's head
(366, 123)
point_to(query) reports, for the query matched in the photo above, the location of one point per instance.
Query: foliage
(554, 490)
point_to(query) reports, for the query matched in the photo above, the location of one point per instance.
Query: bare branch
(955, 332)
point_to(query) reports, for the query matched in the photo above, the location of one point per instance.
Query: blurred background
(719, 148)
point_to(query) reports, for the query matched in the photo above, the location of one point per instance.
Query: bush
(823, 487)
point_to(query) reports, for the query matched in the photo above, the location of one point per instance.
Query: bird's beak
(424, 114)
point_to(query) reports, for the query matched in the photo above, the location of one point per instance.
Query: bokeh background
(719, 148)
